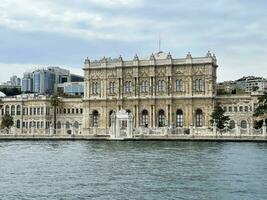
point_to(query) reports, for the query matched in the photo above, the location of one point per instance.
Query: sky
(63, 33)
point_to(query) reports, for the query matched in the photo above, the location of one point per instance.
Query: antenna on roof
(159, 44)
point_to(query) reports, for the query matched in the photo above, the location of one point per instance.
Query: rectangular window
(230, 109)
(235, 109)
(240, 108)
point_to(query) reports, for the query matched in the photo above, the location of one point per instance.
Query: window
(95, 118)
(179, 85)
(95, 88)
(241, 109)
(144, 118)
(67, 125)
(7, 109)
(161, 85)
(81, 110)
(179, 118)
(72, 111)
(243, 124)
(12, 110)
(128, 87)
(76, 125)
(232, 124)
(34, 111)
(58, 125)
(199, 85)
(18, 110)
(225, 109)
(112, 87)
(68, 110)
(161, 118)
(144, 86)
(18, 123)
(199, 118)
(246, 108)
(230, 109)
(235, 109)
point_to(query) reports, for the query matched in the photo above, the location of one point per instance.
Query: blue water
(132, 170)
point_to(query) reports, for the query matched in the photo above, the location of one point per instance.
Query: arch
(109, 116)
(161, 118)
(13, 109)
(18, 123)
(67, 125)
(76, 124)
(232, 124)
(58, 125)
(199, 118)
(18, 109)
(95, 118)
(179, 118)
(7, 110)
(179, 85)
(243, 124)
(144, 118)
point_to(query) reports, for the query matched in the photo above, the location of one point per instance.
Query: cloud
(64, 32)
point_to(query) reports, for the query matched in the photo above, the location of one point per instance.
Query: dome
(2, 94)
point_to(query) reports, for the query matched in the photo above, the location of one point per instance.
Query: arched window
(144, 86)
(18, 110)
(232, 124)
(58, 125)
(18, 123)
(95, 118)
(112, 87)
(12, 110)
(2, 111)
(243, 124)
(67, 125)
(179, 85)
(128, 87)
(144, 118)
(161, 85)
(76, 125)
(199, 118)
(95, 88)
(7, 110)
(161, 118)
(179, 118)
(199, 85)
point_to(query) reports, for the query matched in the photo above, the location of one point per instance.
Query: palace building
(158, 91)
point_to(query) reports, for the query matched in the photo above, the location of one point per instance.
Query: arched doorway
(144, 118)
(199, 118)
(179, 118)
(95, 119)
(161, 118)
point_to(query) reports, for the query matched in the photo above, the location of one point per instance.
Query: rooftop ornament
(152, 57)
(169, 56)
(209, 54)
(87, 61)
(188, 55)
(136, 57)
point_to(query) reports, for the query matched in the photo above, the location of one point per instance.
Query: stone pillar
(238, 131)
(191, 130)
(51, 130)
(72, 129)
(171, 121)
(264, 129)
(154, 116)
(137, 116)
(151, 117)
(63, 128)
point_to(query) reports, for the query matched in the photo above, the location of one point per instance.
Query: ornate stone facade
(158, 91)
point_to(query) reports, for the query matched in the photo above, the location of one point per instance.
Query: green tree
(261, 110)
(7, 121)
(55, 103)
(218, 117)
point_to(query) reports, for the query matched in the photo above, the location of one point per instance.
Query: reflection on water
(132, 170)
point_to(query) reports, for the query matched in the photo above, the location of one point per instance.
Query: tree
(261, 110)
(55, 103)
(7, 121)
(218, 117)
